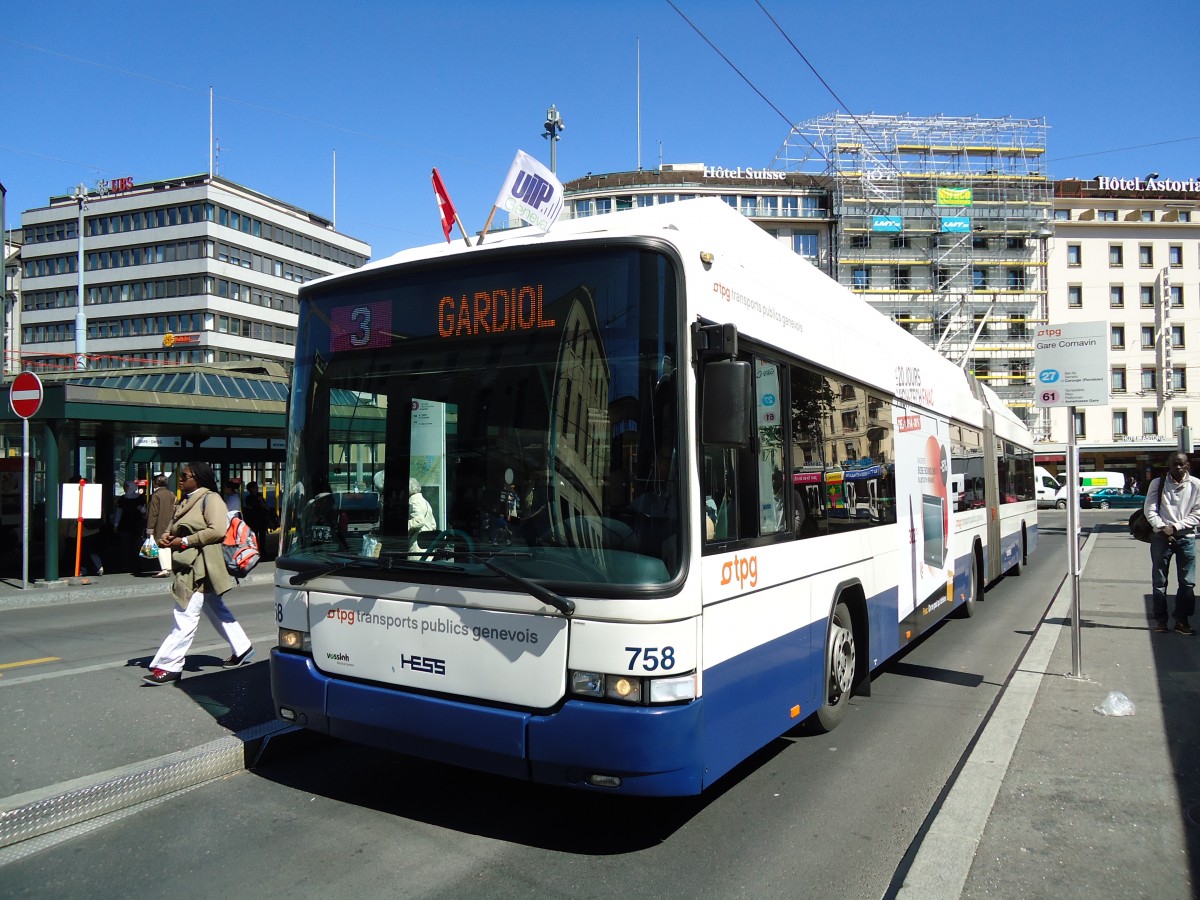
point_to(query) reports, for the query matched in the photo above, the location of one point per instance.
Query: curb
(54, 594)
(26, 817)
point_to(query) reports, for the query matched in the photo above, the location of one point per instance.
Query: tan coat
(203, 519)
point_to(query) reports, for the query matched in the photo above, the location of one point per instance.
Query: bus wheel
(968, 608)
(840, 663)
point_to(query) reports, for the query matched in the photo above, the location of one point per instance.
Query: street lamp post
(554, 126)
(81, 197)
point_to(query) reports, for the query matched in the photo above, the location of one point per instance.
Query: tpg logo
(533, 189)
(741, 569)
(341, 615)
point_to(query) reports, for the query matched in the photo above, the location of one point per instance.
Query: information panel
(1071, 362)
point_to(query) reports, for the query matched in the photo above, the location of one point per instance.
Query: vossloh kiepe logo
(531, 192)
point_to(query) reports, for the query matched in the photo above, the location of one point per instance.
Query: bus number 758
(651, 658)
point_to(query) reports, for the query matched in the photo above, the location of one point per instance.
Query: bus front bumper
(653, 751)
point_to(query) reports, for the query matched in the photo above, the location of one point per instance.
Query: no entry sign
(25, 394)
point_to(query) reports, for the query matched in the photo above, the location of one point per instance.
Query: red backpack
(240, 547)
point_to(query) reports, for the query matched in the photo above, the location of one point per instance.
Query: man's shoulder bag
(1139, 525)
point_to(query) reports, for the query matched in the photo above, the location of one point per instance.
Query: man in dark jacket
(159, 511)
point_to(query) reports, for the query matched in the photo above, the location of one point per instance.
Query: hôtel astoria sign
(1105, 183)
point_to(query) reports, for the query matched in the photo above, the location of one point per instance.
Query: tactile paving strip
(155, 778)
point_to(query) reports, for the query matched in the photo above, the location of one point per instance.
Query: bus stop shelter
(112, 426)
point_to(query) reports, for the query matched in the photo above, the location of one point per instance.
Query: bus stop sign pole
(1071, 361)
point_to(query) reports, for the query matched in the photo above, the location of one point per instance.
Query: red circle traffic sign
(25, 394)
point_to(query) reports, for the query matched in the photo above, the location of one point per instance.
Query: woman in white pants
(200, 577)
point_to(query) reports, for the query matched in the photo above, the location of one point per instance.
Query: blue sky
(103, 90)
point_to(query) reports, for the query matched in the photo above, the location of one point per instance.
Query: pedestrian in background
(129, 521)
(1173, 509)
(194, 536)
(159, 511)
(233, 502)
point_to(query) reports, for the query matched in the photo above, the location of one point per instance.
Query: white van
(1094, 481)
(1050, 491)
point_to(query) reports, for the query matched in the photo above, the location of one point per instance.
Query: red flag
(445, 207)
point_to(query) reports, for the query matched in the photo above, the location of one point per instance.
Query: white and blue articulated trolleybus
(645, 492)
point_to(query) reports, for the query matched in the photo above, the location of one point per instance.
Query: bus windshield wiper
(341, 561)
(387, 562)
(535, 590)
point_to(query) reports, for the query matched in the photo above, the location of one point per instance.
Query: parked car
(1111, 498)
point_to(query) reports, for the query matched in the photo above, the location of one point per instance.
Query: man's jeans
(1162, 548)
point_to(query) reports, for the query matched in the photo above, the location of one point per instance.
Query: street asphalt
(1054, 798)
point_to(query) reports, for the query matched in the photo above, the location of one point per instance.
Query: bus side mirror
(726, 415)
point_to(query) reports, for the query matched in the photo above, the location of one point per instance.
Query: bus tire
(841, 661)
(967, 610)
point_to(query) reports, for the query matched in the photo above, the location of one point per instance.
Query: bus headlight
(297, 641)
(631, 689)
(673, 690)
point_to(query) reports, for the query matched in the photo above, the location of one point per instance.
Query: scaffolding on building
(941, 223)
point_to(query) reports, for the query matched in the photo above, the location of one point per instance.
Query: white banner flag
(531, 192)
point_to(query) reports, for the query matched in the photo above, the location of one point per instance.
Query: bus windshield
(523, 406)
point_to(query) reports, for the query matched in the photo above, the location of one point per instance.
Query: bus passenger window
(720, 494)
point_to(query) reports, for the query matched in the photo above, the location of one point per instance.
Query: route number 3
(651, 658)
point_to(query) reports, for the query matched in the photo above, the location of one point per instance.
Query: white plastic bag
(1116, 704)
(370, 546)
(149, 549)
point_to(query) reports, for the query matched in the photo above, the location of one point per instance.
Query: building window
(858, 278)
(1149, 379)
(1116, 296)
(1080, 423)
(1118, 380)
(805, 243)
(1074, 296)
(1177, 339)
(1074, 255)
(978, 279)
(860, 241)
(1147, 337)
(979, 324)
(1119, 423)
(1146, 256)
(1014, 243)
(1179, 380)
(1175, 256)
(1149, 421)
(1107, 215)
(1017, 327)
(1062, 215)
(1016, 279)
(1147, 215)
(1178, 420)
(1146, 296)
(1116, 255)
(900, 241)
(1117, 337)
(1177, 296)
(1018, 372)
(901, 278)
(1185, 215)
(902, 319)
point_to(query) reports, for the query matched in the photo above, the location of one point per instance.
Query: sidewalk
(91, 745)
(1071, 803)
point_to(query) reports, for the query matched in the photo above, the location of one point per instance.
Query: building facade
(195, 270)
(1126, 251)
